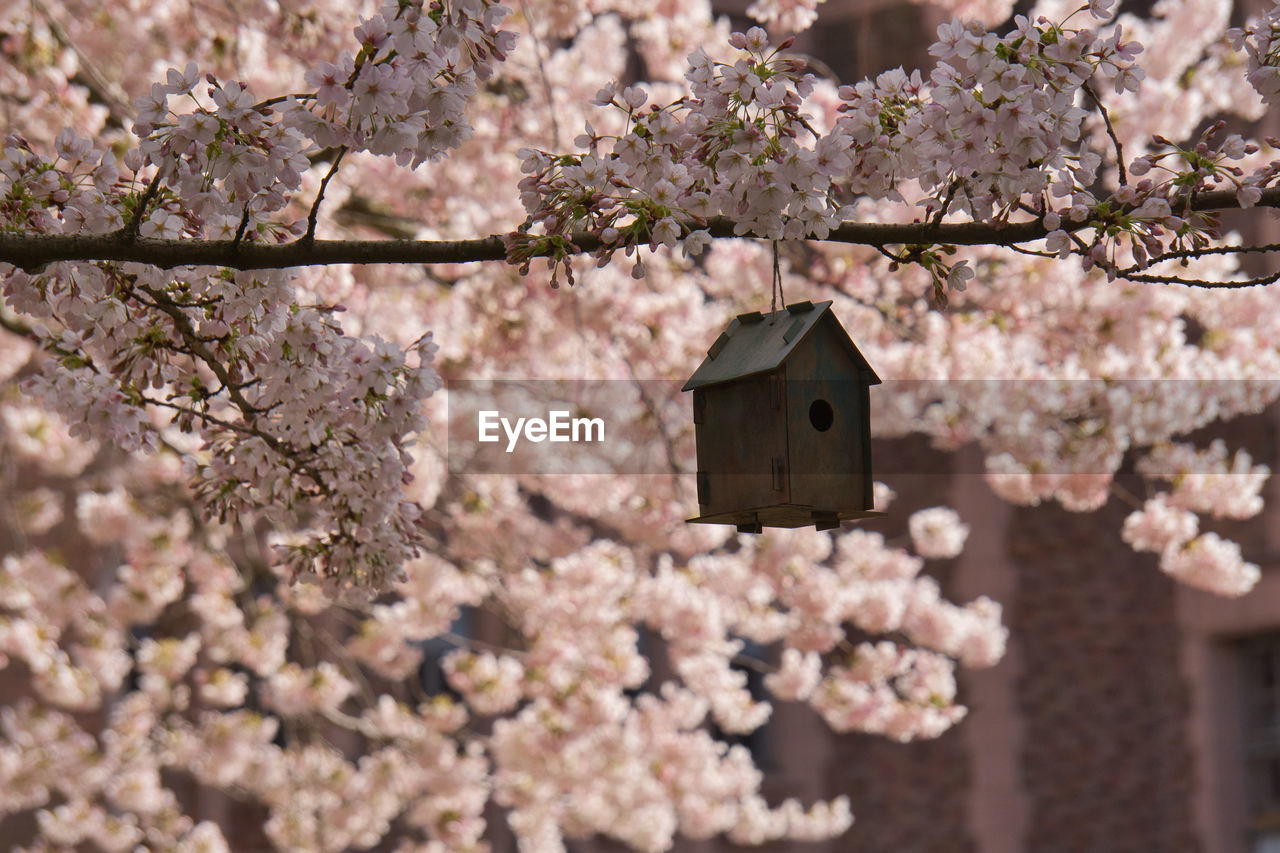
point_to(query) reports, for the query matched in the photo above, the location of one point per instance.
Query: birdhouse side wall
(740, 429)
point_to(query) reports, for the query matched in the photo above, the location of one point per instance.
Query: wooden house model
(783, 423)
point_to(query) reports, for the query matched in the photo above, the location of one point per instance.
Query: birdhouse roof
(757, 343)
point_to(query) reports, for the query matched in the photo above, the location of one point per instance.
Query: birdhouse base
(784, 515)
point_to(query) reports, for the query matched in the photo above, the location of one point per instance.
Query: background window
(1260, 682)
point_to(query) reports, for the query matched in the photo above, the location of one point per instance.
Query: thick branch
(31, 251)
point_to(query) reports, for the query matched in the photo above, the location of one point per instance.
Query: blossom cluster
(793, 15)
(723, 150)
(319, 443)
(996, 132)
(146, 356)
(1260, 42)
(218, 166)
(405, 93)
(1204, 481)
(996, 124)
(574, 748)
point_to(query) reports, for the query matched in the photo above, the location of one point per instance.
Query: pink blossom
(1159, 526)
(295, 690)
(491, 684)
(938, 532)
(1211, 563)
(796, 677)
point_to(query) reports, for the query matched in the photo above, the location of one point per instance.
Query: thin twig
(242, 227)
(1111, 131)
(669, 445)
(182, 323)
(472, 643)
(342, 656)
(279, 99)
(1125, 495)
(324, 184)
(130, 232)
(1197, 253)
(547, 91)
(1033, 252)
(946, 202)
(748, 662)
(203, 416)
(1200, 282)
(94, 80)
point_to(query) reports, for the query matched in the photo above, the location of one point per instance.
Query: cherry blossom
(937, 532)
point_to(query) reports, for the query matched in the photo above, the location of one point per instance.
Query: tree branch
(1111, 131)
(129, 233)
(547, 91)
(1199, 253)
(32, 251)
(324, 184)
(1204, 283)
(182, 323)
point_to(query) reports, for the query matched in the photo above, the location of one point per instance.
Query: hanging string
(777, 282)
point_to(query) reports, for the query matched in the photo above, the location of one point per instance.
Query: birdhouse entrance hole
(821, 415)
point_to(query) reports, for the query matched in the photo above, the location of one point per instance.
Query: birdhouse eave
(757, 343)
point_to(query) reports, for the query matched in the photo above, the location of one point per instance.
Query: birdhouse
(783, 424)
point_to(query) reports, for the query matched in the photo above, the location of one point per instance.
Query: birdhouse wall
(828, 424)
(740, 429)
